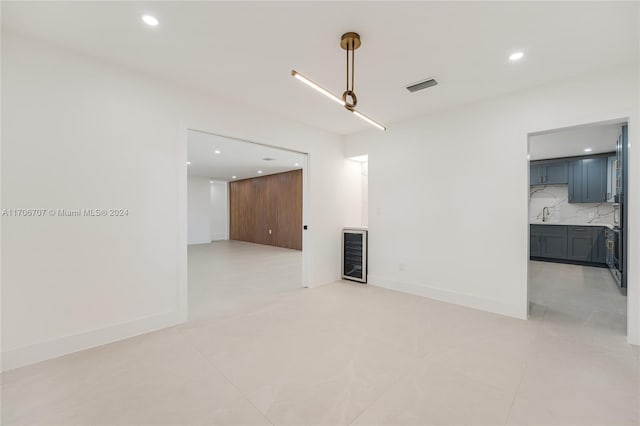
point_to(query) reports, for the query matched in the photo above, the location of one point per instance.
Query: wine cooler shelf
(354, 255)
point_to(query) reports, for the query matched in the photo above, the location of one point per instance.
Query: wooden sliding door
(267, 210)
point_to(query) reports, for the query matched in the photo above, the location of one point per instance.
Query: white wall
(199, 210)
(79, 133)
(219, 208)
(352, 185)
(433, 181)
(364, 194)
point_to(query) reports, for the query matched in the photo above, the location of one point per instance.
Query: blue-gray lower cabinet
(580, 243)
(583, 244)
(599, 251)
(534, 241)
(554, 242)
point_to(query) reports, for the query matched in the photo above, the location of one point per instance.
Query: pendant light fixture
(349, 42)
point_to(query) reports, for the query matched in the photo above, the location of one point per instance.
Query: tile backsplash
(556, 197)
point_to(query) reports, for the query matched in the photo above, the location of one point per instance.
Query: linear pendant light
(315, 85)
(349, 42)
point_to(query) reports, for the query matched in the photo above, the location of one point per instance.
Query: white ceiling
(573, 142)
(245, 51)
(236, 158)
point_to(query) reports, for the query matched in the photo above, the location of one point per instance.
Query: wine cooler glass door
(354, 252)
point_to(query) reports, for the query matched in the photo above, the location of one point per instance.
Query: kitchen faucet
(545, 214)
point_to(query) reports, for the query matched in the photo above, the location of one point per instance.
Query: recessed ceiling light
(297, 164)
(516, 56)
(188, 163)
(587, 150)
(233, 177)
(210, 181)
(150, 20)
(259, 172)
(217, 151)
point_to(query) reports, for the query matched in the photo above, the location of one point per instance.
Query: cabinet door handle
(579, 229)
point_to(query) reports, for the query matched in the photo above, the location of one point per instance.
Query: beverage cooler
(354, 254)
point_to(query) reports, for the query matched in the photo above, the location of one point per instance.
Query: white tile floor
(355, 354)
(225, 276)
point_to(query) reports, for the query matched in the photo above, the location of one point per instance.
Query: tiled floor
(225, 276)
(356, 354)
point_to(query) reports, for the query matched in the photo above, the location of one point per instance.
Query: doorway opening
(577, 232)
(245, 211)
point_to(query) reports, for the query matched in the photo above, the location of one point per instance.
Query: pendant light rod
(317, 87)
(349, 42)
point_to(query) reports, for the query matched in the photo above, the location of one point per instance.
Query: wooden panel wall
(265, 203)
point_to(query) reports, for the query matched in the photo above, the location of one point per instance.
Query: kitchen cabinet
(556, 173)
(550, 241)
(548, 173)
(536, 174)
(534, 241)
(579, 243)
(588, 180)
(612, 176)
(554, 242)
(582, 244)
(599, 249)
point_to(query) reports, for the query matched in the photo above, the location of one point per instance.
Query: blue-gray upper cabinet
(588, 180)
(556, 173)
(548, 173)
(536, 174)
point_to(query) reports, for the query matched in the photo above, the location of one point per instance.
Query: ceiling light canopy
(516, 56)
(349, 42)
(152, 21)
(588, 150)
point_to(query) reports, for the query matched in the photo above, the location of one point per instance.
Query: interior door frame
(633, 302)
(183, 139)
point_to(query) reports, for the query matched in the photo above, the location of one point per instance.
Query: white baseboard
(420, 289)
(42, 351)
(219, 237)
(192, 243)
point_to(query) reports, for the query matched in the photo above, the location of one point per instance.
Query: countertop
(571, 223)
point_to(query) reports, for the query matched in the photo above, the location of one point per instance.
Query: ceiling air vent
(422, 85)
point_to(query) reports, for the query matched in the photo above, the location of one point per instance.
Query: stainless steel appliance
(614, 253)
(354, 254)
(616, 215)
